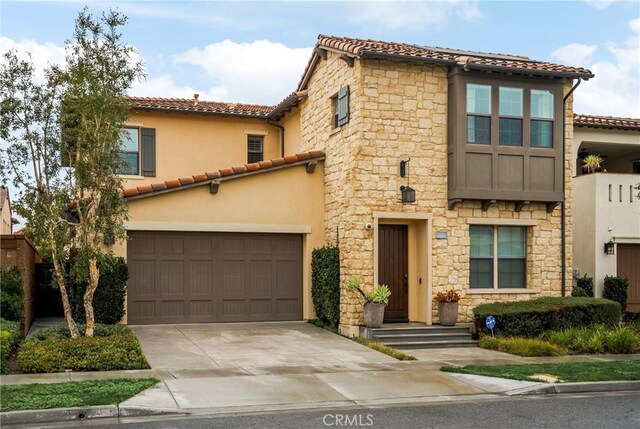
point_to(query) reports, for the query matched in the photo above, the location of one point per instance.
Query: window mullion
(495, 257)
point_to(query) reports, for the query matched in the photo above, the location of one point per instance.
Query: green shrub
(325, 284)
(52, 350)
(108, 300)
(9, 339)
(521, 346)
(596, 339)
(623, 340)
(615, 289)
(631, 316)
(583, 287)
(11, 294)
(534, 317)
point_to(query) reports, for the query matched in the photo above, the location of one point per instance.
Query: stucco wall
(5, 218)
(607, 208)
(277, 201)
(188, 144)
(399, 110)
(291, 124)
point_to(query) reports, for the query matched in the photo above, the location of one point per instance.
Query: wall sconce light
(610, 248)
(408, 194)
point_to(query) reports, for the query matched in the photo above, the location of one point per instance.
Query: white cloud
(396, 15)
(575, 53)
(42, 55)
(600, 4)
(165, 86)
(258, 72)
(615, 90)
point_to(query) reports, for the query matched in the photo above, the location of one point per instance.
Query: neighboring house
(606, 207)
(433, 169)
(5, 212)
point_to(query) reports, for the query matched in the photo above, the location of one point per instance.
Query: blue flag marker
(491, 323)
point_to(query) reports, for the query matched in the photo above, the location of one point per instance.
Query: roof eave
(519, 70)
(402, 57)
(199, 112)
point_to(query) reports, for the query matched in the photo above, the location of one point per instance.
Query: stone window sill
(501, 291)
(131, 177)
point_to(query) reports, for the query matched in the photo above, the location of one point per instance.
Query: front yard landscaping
(565, 372)
(71, 394)
(114, 347)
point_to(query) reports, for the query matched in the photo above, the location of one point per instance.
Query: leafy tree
(74, 119)
(31, 158)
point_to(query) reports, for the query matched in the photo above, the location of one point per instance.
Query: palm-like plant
(592, 163)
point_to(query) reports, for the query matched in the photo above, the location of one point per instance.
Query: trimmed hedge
(9, 339)
(583, 287)
(532, 318)
(53, 350)
(11, 294)
(325, 284)
(108, 300)
(615, 289)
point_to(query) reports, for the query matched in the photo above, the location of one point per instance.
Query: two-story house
(432, 169)
(606, 207)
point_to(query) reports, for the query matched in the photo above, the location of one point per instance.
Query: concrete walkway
(247, 367)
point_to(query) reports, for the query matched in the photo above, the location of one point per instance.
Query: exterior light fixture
(610, 248)
(408, 194)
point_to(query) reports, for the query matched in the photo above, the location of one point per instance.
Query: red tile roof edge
(595, 121)
(221, 174)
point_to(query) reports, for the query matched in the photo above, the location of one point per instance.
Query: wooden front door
(393, 269)
(629, 266)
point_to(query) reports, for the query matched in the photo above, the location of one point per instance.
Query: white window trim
(256, 132)
(133, 176)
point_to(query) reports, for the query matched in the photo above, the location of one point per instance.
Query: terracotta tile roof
(199, 106)
(473, 60)
(593, 121)
(221, 174)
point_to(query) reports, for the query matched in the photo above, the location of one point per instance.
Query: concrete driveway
(239, 348)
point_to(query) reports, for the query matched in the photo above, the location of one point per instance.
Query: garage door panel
(170, 278)
(182, 277)
(200, 278)
(171, 309)
(142, 274)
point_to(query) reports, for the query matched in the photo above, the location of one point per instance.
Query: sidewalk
(270, 388)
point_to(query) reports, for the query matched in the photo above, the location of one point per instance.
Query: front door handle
(406, 280)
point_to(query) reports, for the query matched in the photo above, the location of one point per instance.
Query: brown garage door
(629, 266)
(190, 277)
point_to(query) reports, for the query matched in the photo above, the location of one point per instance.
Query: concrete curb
(584, 387)
(58, 415)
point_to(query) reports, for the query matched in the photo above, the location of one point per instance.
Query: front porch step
(422, 336)
(443, 344)
(419, 336)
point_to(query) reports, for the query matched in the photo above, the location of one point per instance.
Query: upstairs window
(341, 107)
(255, 149)
(497, 257)
(541, 118)
(478, 114)
(510, 111)
(130, 151)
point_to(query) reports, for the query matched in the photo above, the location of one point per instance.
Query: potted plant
(374, 302)
(447, 307)
(592, 163)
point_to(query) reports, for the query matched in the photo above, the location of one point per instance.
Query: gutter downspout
(281, 136)
(564, 186)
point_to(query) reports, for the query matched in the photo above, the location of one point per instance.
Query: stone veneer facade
(399, 110)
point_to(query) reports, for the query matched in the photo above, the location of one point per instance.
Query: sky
(255, 52)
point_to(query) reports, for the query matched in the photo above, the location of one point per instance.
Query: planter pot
(448, 313)
(373, 315)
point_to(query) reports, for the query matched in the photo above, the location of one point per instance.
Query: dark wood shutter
(343, 106)
(148, 152)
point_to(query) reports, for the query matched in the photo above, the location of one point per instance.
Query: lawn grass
(71, 394)
(390, 351)
(567, 372)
